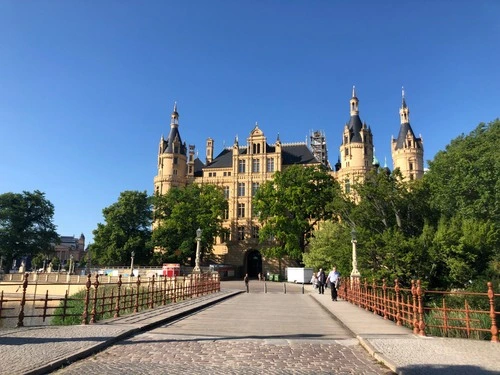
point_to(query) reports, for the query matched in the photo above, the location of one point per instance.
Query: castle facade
(239, 170)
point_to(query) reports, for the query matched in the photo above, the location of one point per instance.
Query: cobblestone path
(247, 334)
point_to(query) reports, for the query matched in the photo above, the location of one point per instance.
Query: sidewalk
(405, 353)
(39, 350)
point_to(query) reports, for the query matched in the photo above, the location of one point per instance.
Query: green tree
(464, 186)
(464, 178)
(127, 229)
(291, 205)
(179, 213)
(26, 225)
(330, 246)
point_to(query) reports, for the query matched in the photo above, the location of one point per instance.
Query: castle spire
(174, 122)
(354, 103)
(404, 111)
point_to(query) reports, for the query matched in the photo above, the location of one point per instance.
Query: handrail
(98, 300)
(428, 312)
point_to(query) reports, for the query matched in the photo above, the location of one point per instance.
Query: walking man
(333, 280)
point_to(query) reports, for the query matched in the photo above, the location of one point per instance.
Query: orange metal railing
(97, 300)
(428, 312)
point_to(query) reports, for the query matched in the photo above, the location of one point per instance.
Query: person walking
(321, 281)
(246, 281)
(333, 282)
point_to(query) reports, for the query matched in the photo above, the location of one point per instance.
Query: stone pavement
(315, 344)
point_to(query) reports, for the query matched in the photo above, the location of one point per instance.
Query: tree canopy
(127, 228)
(179, 213)
(291, 205)
(26, 225)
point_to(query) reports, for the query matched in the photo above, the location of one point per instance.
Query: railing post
(375, 299)
(384, 297)
(398, 313)
(94, 304)
(366, 296)
(152, 283)
(85, 315)
(415, 308)
(421, 323)
(117, 307)
(20, 318)
(494, 328)
(138, 282)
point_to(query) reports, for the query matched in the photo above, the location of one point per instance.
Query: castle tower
(356, 150)
(172, 159)
(210, 150)
(407, 150)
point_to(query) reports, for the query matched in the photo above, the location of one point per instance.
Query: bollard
(284, 288)
(265, 287)
(302, 288)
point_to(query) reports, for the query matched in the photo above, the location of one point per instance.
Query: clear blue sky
(87, 87)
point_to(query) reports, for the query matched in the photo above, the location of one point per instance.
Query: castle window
(224, 237)
(255, 231)
(255, 186)
(347, 186)
(346, 152)
(270, 164)
(175, 172)
(175, 161)
(410, 166)
(226, 192)
(241, 189)
(190, 169)
(241, 209)
(411, 177)
(241, 166)
(255, 165)
(241, 233)
(226, 214)
(157, 190)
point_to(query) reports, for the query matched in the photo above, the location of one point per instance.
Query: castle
(239, 170)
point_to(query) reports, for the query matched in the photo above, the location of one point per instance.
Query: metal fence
(428, 312)
(96, 300)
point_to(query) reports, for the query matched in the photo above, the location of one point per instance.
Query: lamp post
(355, 275)
(132, 254)
(70, 264)
(196, 268)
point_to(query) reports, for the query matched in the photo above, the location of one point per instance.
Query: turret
(407, 149)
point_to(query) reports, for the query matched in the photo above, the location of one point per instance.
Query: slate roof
(403, 131)
(355, 127)
(168, 143)
(198, 167)
(291, 154)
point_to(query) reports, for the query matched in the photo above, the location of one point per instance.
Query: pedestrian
(246, 281)
(333, 280)
(321, 281)
(314, 280)
(259, 276)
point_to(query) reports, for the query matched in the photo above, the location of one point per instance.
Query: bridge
(233, 332)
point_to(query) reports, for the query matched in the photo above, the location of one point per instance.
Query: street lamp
(70, 264)
(132, 254)
(196, 268)
(355, 275)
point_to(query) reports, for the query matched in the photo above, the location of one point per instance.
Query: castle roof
(296, 153)
(403, 131)
(355, 127)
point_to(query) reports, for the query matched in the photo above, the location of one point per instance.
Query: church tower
(172, 159)
(356, 150)
(407, 149)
